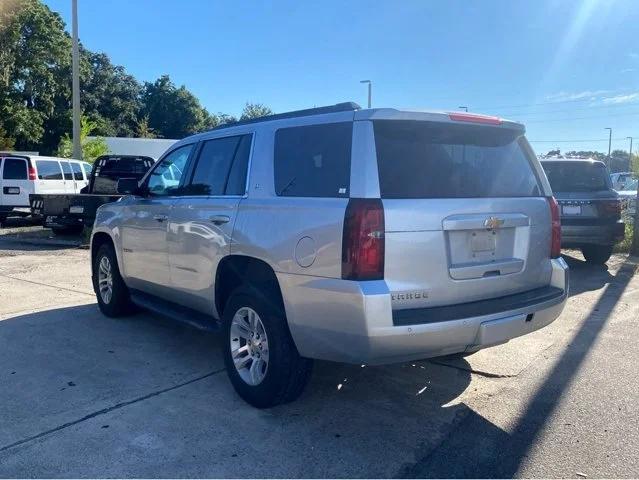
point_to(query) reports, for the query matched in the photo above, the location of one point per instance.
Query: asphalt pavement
(82, 395)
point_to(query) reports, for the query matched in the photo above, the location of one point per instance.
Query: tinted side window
(166, 176)
(313, 161)
(221, 167)
(77, 171)
(66, 168)
(48, 170)
(88, 168)
(14, 169)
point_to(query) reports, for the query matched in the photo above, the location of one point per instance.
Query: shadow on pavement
(486, 451)
(64, 366)
(585, 276)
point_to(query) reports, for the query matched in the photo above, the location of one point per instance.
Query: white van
(21, 175)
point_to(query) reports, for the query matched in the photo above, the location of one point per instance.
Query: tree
(173, 112)
(6, 142)
(255, 110)
(91, 149)
(143, 130)
(35, 59)
(109, 95)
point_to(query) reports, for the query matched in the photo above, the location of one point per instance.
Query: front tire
(111, 292)
(261, 359)
(597, 254)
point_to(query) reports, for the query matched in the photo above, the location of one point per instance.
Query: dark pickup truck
(590, 209)
(69, 213)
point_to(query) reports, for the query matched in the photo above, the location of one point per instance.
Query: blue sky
(566, 68)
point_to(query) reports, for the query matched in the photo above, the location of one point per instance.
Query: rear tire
(110, 290)
(256, 337)
(2, 220)
(597, 254)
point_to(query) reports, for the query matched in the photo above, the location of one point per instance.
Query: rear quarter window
(419, 159)
(314, 160)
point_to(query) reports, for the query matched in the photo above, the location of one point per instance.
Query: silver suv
(362, 236)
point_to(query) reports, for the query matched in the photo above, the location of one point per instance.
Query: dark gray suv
(590, 208)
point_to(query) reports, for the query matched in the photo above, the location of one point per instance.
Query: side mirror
(128, 186)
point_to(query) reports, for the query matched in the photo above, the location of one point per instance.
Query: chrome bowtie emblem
(493, 222)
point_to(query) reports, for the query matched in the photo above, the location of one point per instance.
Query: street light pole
(370, 89)
(77, 147)
(463, 108)
(609, 142)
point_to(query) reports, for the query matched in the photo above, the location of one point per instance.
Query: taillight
(609, 208)
(555, 236)
(363, 240)
(31, 171)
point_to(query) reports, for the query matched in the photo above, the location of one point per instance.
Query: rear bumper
(19, 210)
(352, 322)
(576, 235)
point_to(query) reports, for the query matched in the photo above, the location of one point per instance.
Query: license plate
(571, 210)
(76, 209)
(483, 241)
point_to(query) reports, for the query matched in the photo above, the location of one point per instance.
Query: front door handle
(160, 218)
(220, 219)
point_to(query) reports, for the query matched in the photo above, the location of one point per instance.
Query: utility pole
(609, 143)
(370, 88)
(77, 146)
(630, 154)
(463, 108)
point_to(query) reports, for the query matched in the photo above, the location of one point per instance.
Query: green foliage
(173, 112)
(35, 90)
(255, 110)
(143, 130)
(91, 148)
(34, 70)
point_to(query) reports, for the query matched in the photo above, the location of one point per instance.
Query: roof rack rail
(338, 107)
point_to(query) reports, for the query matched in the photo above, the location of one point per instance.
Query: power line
(590, 98)
(582, 118)
(593, 107)
(593, 140)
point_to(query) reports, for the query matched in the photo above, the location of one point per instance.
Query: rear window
(577, 176)
(119, 166)
(313, 161)
(14, 169)
(437, 160)
(48, 170)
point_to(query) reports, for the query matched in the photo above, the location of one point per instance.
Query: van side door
(50, 179)
(201, 221)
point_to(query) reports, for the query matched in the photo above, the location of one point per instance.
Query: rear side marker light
(363, 240)
(474, 118)
(555, 235)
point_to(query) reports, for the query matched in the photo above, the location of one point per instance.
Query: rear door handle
(220, 219)
(160, 218)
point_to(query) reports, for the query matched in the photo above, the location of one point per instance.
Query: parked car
(363, 236)
(590, 207)
(620, 180)
(69, 213)
(628, 197)
(22, 175)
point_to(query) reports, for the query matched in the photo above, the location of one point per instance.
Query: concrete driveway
(82, 395)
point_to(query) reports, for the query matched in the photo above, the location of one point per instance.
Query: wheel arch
(234, 271)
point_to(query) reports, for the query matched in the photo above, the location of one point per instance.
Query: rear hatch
(584, 192)
(466, 218)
